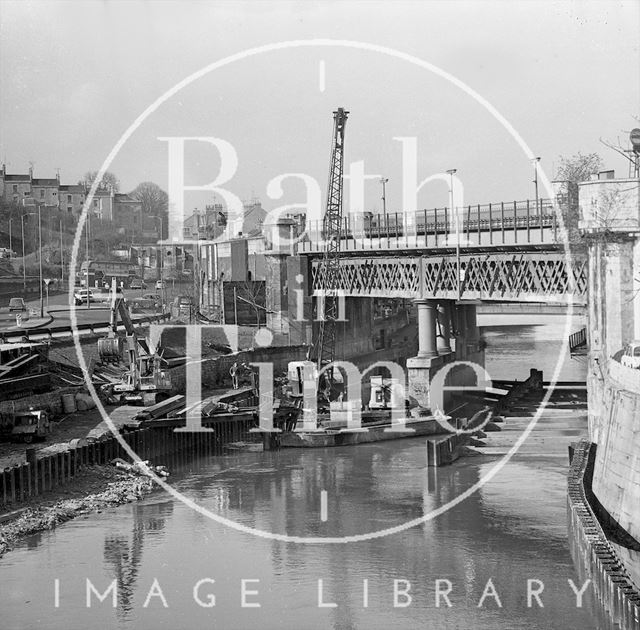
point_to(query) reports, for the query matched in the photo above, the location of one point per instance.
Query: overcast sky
(75, 75)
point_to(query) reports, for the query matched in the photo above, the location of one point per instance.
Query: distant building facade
(48, 192)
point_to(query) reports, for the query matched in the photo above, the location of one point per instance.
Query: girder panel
(519, 276)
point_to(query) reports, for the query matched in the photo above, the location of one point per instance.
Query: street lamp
(24, 267)
(535, 178)
(451, 173)
(10, 238)
(61, 257)
(155, 216)
(39, 213)
(383, 181)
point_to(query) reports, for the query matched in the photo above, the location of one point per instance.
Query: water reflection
(512, 529)
(123, 554)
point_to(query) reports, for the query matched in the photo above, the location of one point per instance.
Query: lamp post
(161, 265)
(451, 173)
(39, 213)
(10, 238)
(383, 181)
(24, 268)
(535, 179)
(40, 256)
(61, 258)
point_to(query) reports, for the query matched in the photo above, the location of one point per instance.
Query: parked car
(104, 295)
(159, 285)
(17, 304)
(182, 306)
(136, 283)
(80, 296)
(631, 355)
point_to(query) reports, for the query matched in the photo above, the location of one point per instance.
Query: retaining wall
(160, 445)
(591, 551)
(617, 463)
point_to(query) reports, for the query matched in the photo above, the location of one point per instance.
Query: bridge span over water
(504, 252)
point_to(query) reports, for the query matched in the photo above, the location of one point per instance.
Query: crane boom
(324, 348)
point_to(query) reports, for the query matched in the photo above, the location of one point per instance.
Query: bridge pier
(444, 321)
(427, 317)
(435, 349)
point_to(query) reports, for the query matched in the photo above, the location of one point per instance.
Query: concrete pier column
(444, 321)
(427, 314)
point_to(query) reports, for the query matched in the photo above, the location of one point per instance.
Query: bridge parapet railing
(513, 223)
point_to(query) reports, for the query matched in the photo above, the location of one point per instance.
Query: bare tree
(153, 199)
(578, 167)
(253, 294)
(108, 181)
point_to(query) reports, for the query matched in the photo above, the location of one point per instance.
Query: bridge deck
(491, 225)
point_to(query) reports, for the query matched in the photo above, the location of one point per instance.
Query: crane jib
(324, 346)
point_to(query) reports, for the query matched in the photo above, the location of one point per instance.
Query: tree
(578, 168)
(253, 293)
(109, 181)
(155, 202)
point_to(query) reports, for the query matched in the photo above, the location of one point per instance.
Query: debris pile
(119, 486)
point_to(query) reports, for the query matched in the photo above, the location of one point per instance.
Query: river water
(512, 529)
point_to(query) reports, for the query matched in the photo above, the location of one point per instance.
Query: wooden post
(42, 475)
(12, 484)
(21, 482)
(54, 470)
(3, 487)
(63, 467)
(33, 471)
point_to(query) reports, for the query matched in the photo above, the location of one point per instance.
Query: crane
(323, 351)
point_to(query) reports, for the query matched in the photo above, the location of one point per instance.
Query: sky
(74, 76)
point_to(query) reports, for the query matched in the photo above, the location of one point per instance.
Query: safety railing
(49, 332)
(513, 223)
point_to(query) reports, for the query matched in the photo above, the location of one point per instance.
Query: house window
(15, 198)
(42, 193)
(95, 203)
(55, 194)
(69, 208)
(26, 193)
(15, 188)
(68, 198)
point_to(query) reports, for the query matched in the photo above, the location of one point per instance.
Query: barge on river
(378, 430)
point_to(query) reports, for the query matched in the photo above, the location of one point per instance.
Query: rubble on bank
(99, 487)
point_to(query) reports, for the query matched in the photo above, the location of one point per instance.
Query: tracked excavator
(144, 380)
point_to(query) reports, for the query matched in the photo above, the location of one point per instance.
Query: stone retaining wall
(592, 553)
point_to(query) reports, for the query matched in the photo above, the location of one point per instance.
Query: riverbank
(99, 487)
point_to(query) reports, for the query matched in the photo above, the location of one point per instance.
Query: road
(57, 308)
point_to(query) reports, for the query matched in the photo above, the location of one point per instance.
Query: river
(512, 529)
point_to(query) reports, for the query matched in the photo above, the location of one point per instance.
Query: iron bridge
(523, 276)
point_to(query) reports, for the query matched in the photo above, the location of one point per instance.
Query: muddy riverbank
(97, 488)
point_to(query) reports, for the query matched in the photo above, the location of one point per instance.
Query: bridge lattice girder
(519, 276)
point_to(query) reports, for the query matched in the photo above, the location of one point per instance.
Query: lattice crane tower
(324, 348)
